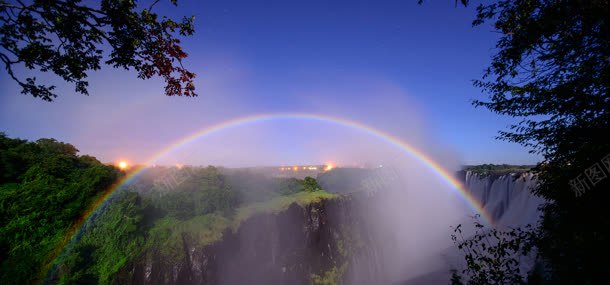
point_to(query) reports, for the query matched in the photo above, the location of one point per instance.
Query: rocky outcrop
(326, 241)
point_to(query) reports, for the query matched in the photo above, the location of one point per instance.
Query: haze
(392, 66)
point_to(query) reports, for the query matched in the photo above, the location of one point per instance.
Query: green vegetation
(332, 276)
(280, 204)
(349, 243)
(108, 244)
(311, 185)
(487, 169)
(200, 191)
(166, 238)
(44, 187)
(167, 235)
(493, 255)
(197, 207)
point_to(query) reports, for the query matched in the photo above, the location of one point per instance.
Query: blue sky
(395, 65)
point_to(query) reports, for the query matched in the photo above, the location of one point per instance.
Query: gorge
(332, 241)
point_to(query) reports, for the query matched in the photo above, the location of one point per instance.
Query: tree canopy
(551, 69)
(44, 187)
(70, 38)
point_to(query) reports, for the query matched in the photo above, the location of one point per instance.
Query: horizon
(334, 166)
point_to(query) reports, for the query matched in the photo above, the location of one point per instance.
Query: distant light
(329, 166)
(122, 164)
(296, 168)
(380, 166)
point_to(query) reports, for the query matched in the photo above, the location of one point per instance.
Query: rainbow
(446, 176)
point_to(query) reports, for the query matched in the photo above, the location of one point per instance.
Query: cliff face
(507, 197)
(334, 241)
(326, 242)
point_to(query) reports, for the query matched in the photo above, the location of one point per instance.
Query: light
(328, 166)
(122, 164)
(296, 168)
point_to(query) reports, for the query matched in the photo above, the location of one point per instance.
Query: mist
(418, 213)
(412, 214)
(302, 143)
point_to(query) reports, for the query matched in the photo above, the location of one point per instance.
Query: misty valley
(175, 142)
(216, 225)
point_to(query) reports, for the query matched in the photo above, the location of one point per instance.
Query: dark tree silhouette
(552, 70)
(70, 38)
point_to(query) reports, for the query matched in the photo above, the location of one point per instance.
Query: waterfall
(508, 198)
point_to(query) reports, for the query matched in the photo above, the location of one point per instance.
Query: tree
(70, 38)
(110, 242)
(552, 70)
(44, 188)
(311, 185)
(493, 256)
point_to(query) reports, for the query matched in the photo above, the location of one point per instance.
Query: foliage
(70, 38)
(288, 186)
(254, 187)
(279, 204)
(486, 169)
(202, 191)
(349, 242)
(493, 256)
(311, 185)
(107, 245)
(44, 188)
(166, 238)
(552, 70)
(332, 276)
(193, 205)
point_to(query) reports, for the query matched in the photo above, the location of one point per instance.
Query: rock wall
(508, 198)
(329, 239)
